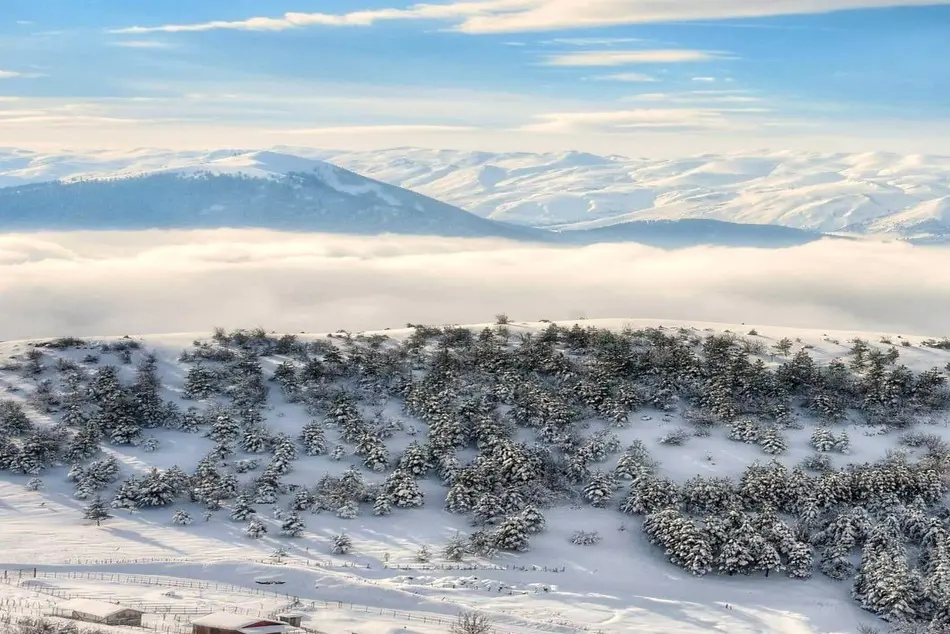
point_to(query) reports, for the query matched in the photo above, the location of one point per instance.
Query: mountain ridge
(282, 191)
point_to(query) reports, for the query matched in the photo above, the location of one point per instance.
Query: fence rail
(19, 576)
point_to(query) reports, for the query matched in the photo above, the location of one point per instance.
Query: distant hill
(281, 191)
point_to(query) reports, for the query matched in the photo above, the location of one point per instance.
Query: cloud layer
(126, 283)
(512, 16)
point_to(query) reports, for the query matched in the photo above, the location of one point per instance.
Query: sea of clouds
(114, 283)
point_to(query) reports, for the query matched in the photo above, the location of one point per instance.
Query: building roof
(229, 621)
(98, 609)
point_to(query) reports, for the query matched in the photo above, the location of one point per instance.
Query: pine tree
(314, 439)
(200, 383)
(341, 544)
(97, 511)
(533, 519)
(403, 490)
(181, 517)
(293, 525)
(255, 528)
(424, 555)
(416, 460)
(600, 489)
(383, 506)
(512, 534)
(349, 511)
(773, 442)
(242, 509)
(823, 439)
(456, 548)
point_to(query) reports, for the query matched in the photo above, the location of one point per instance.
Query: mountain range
(764, 199)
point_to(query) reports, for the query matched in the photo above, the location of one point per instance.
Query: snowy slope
(874, 193)
(818, 192)
(234, 190)
(623, 584)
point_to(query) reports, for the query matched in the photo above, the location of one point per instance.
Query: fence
(316, 563)
(15, 577)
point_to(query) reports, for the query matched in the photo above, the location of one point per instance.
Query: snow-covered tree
(533, 519)
(242, 509)
(255, 528)
(181, 518)
(456, 548)
(403, 490)
(600, 489)
(97, 511)
(424, 554)
(772, 441)
(341, 544)
(314, 439)
(292, 525)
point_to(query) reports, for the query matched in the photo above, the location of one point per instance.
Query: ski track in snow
(621, 585)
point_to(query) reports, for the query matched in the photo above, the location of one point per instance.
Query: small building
(102, 612)
(294, 619)
(227, 623)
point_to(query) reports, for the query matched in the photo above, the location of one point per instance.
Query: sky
(632, 77)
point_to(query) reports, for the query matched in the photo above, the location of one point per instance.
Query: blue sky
(602, 75)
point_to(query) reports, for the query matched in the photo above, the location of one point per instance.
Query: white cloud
(86, 284)
(369, 129)
(625, 58)
(12, 74)
(694, 97)
(508, 16)
(620, 120)
(592, 41)
(705, 79)
(631, 77)
(142, 44)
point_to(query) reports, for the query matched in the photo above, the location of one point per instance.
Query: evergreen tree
(600, 489)
(773, 442)
(383, 506)
(97, 511)
(201, 383)
(533, 519)
(255, 528)
(512, 534)
(403, 490)
(242, 509)
(456, 548)
(293, 525)
(424, 555)
(181, 517)
(313, 438)
(341, 544)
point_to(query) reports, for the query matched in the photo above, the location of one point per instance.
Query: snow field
(622, 584)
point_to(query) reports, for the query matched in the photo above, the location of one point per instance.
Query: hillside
(280, 191)
(520, 470)
(877, 194)
(258, 189)
(825, 193)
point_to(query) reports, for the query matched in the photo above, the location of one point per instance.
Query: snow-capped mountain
(280, 190)
(876, 193)
(903, 196)
(227, 189)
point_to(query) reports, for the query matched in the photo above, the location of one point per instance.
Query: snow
(228, 621)
(98, 609)
(874, 193)
(622, 584)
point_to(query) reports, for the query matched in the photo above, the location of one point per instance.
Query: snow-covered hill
(282, 191)
(875, 193)
(235, 190)
(456, 441)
